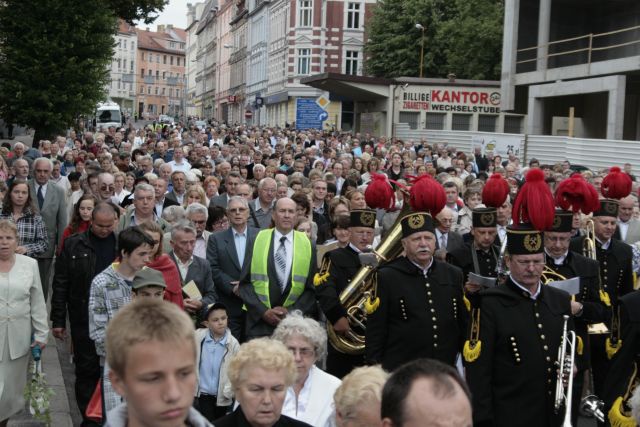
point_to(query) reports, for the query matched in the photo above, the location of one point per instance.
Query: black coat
(237, 419)
(463, 258)
(514, 376)
(344, 265)
(417, 317)
(626, 360)
(74, 271)
(593, 309)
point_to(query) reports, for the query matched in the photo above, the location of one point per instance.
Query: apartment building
(122, 88)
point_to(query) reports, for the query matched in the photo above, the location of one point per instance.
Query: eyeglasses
(303, 352)
(236, 210)
(199, 222)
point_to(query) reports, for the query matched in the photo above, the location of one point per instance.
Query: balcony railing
(579, 50)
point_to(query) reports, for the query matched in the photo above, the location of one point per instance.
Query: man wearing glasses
(446, 240)
(229, 254)
(197, 214)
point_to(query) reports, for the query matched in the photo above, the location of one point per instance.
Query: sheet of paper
(572, 286)
(191, 290)
(487, 282)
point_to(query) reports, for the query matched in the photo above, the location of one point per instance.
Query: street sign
(248, 114)
(309, 115)
(323, 102)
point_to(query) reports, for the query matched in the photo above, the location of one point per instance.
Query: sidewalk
(60, 412)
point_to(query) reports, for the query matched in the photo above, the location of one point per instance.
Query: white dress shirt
(624, 227)
(240, 241)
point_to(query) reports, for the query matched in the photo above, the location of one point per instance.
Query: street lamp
(421, 28)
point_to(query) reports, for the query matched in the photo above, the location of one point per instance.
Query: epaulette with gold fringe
(322, 275)
(473, 346)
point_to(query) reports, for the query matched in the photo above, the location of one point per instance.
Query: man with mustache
(419, 309)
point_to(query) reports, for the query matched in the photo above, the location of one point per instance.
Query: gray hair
(296, 324)
(173, 214)
(42, 159)
(146, 157)
(143, 187)
(258, 167)
(265, 181)
(183, 226)
(197, 208)
(242, 200)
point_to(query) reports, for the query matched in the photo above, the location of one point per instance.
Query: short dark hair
(131, 238)
(74, 176)
(104, 207)
(396, 389)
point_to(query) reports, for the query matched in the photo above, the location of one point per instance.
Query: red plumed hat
(427, 195)
(495, 191)
(379, 193)
(577, 195)
(616, 185)
(534, 203)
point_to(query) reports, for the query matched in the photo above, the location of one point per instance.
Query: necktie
(281, 263)
(40, 197)
(443, 241)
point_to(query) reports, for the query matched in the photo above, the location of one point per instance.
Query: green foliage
(38, 395)
(461, 36)
(54, 58)
(134, 10)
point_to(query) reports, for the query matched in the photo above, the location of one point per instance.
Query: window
(512, 124)
(142, 72)
(171, 92)
(164, 75)
(178, 61)
(148, 90)
(410, 118)
(119, 64)
(157, 74)
(461, 122)
(124, 42)
(164, 59)
(142, 56)
(351, 62)
(131, 68)
(353, 15)
(487, 123)
(124, 64)
(156, 90)
(305, 13)
(163, 91)
(119, 84)
(171, 60)
(141, 89)
(158, 58)
(150, 73)
(435, 121)
(304, 60)
(150, 57)
(177, 93)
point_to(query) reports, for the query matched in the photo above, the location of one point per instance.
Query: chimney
(169, 27)
(160, 28)
(147, 29)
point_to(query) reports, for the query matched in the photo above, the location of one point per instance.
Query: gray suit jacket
(54, 214)
(256, 326)
(225, 268)
(633, 232)
(200, 272)
(454, 241)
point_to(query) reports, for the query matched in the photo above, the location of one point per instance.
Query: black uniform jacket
(487, 260)
(513, 379)
(418, 316)
(627, 360)
(344, 264)
(237, 419)
(593, 309)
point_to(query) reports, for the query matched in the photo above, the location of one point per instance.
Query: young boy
(148, 283)
(215, 346)
(151, 352)
(110, 291)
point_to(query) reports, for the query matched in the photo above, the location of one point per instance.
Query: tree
(461, 36)
(54, 58)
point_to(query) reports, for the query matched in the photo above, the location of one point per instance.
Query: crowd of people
(313, 278)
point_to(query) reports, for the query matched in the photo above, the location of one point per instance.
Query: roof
(125, 28)
(153, 40)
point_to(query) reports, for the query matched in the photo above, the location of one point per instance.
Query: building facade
(206, 59)
(161, 79)
(238, 63)
(256, 69)
(571, 67)
(122, 88)
(224, 17)
(310, 37)
(194, 11)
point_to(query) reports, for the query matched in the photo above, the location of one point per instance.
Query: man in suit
(197, 215)
(179, 183)
(51, 204)
(231, 183)
(446, 240)
(183, 241)
(628, 228)
(229, 254)
(281, 275)
(162, 201)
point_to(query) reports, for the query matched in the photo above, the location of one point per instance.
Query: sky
(174, 13)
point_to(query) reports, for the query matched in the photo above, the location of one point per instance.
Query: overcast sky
(174, 13)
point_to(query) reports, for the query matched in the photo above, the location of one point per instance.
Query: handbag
(94, 408)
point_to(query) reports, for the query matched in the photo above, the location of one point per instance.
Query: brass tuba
(355, 297)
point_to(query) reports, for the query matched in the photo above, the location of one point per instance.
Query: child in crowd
(215, 346)
(148, 283)
(152, 356)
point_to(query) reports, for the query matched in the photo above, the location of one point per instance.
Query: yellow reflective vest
(299, 266)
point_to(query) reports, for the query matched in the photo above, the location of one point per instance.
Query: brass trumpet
(565, 363)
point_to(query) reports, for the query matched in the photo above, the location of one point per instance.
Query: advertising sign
(454, 99)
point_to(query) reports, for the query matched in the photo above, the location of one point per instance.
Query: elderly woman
(22, 313)
(309, 398)
(357, 400)
(260, 374)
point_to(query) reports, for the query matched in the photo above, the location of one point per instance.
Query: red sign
(248, 114)
(231, 98)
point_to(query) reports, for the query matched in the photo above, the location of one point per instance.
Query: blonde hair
(264, 353)
(360, 387)
(6, 225)
(145, 320)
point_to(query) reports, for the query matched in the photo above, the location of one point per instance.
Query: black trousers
(206, 404)
(87, 365)
(237, 326)
(340, 364)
